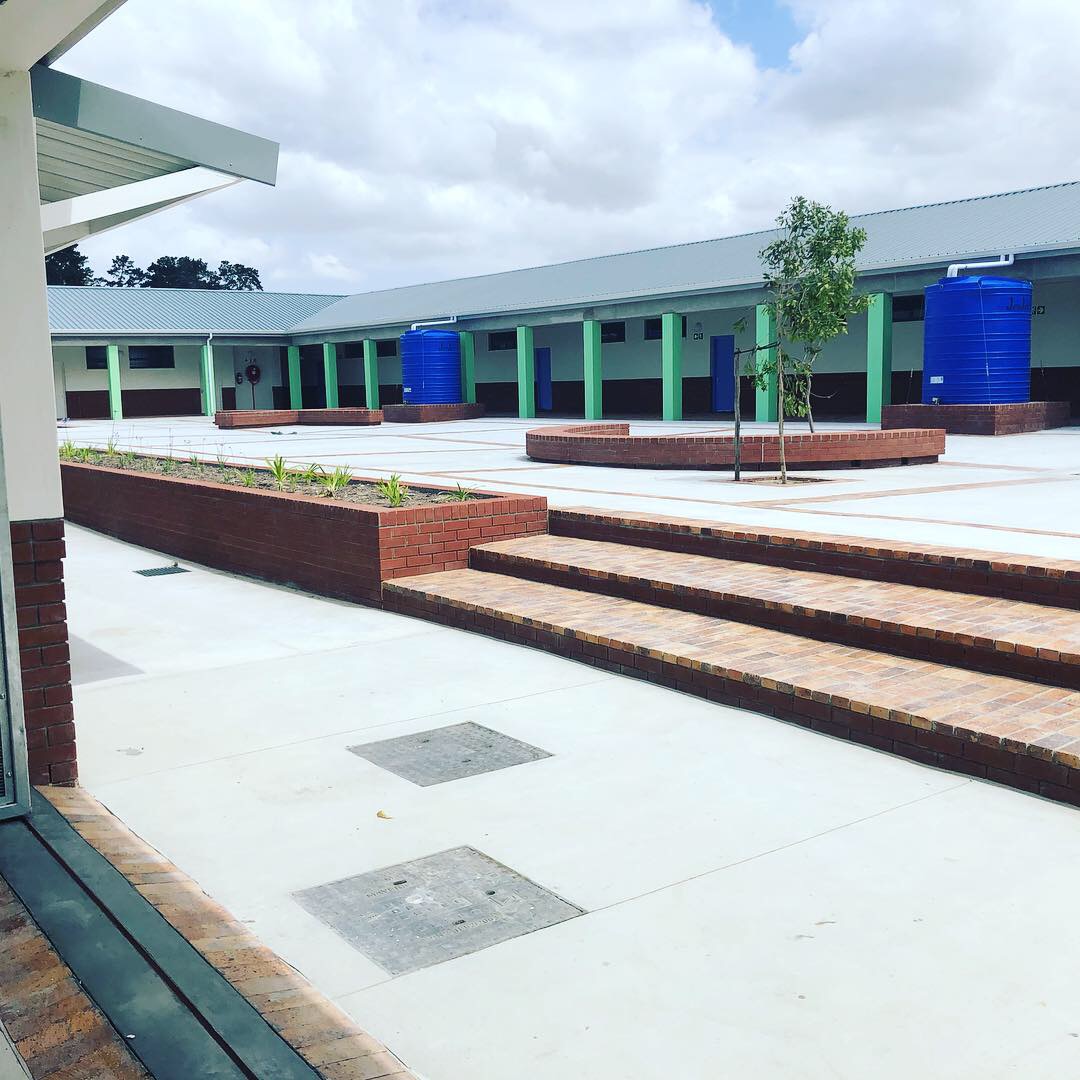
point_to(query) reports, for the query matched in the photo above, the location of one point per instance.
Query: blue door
(722, 369)
(543, 379)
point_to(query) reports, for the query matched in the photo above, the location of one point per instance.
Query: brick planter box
(326, 547)
(613, 445)
(431, 414)
(245, 418)
(979, 419)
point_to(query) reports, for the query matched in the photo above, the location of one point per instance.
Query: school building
(646, 333)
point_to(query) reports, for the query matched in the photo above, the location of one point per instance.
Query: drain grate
(436, 908)
(161, 571)
(448, 753)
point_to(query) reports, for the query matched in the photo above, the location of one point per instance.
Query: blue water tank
(430, 367)
(977, 341)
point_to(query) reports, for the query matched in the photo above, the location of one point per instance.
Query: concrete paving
(1016, 493)
(759, 900)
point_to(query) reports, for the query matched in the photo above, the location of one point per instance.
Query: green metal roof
(77, 309)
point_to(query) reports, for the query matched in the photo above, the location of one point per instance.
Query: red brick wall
(430, 414)
(611, 444)
(244, 418)
(1010, 419)
(326, 547)
(37, 550)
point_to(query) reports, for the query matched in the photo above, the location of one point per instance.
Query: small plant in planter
(247, 477)
(459, 494)
(333, 482)
(393, 490)
(196, 463)
(167, 465)
(127, 459)
(279, 471)
(68, 450)
(111, 448)
(310, 475)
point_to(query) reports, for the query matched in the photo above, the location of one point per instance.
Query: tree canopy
(71, 267)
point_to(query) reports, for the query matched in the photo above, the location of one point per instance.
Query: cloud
(433, 138)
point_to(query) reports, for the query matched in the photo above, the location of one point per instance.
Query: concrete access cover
(448, 753)
(436, 908)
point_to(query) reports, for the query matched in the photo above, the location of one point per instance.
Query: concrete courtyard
(818, 911)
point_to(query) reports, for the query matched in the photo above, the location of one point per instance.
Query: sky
(429, 139)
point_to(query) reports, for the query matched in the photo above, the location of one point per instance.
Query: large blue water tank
(977, 341)
(430, 367)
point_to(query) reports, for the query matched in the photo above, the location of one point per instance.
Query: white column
(27, 398)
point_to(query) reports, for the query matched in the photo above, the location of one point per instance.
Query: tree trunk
(780, 411)
(738, 422)
(809, 409)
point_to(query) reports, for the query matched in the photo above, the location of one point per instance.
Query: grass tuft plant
(68, 450)
(393, 490)
(247, 477)
(460, 494)
(310, 475)
(279, 471)
(333, 482)
(111, 448)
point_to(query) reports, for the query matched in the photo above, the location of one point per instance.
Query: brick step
(1050, 581)
(1002, 637)
(1018, 733)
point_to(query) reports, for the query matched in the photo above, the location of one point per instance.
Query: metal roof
(75, 309)
(1023, 222)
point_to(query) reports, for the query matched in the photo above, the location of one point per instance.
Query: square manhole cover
(448, 753)
(423, 912)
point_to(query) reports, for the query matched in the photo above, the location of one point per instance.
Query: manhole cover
(423, 912)
(448, 753)
(161, 571)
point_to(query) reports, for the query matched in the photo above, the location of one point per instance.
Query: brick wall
(326, 547)
(37, 549)
(430, 414)
(244, 418)
(612, 444)
(1010, 419)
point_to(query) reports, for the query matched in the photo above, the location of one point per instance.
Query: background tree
(810, 276)
(232, 275)
(179, 272)
(123, 273)
(68, 267)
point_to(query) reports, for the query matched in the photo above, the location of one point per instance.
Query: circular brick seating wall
(612, 444)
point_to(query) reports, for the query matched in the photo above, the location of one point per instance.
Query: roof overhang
(106, 158)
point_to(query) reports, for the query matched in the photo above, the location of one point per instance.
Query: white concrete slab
(761, 900)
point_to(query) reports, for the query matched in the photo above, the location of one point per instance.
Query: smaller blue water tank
(430, 367)
(977, 341)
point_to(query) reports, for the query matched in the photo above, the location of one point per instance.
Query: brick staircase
(961, 659)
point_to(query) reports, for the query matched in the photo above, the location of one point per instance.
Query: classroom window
(502, 340)
(908, 308)
(612, 331)
(150, 356)
(96, 359)
(386, 347)
(654, 329)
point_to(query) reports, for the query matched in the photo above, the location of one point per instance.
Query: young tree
(123, 272)
(68, 267)
(810, 276)
(232, 275)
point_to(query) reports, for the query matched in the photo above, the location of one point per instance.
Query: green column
(526, 373)
(671, 358)
(112, 362)
(329, 360)
(371, 374)
(594, 370)
(207, 380)
(878, 356)
(296, 391)
(765, 333)
(468, 366)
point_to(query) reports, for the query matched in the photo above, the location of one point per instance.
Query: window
(612, 331)
(500, 340)
(653, 329)
(908, 308)
(150, 356)
(350, 350)
(387, 347)
(96, 358)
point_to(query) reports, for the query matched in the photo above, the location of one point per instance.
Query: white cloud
(433, 138)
